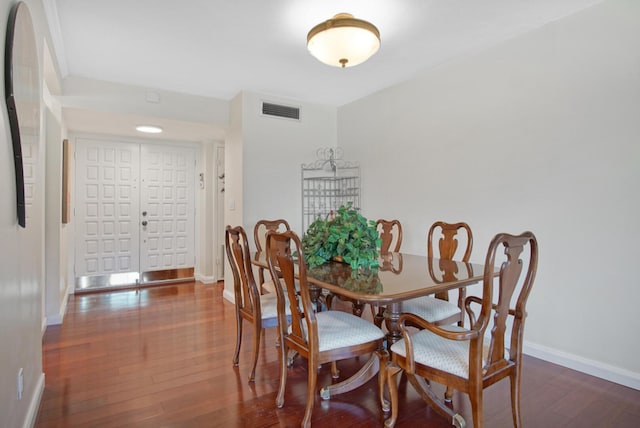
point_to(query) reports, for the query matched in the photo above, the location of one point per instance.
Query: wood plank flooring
(161, 357)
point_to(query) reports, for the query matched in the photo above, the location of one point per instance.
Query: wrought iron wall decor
(328, 183)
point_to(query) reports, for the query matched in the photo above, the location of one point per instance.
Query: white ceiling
(217, 48)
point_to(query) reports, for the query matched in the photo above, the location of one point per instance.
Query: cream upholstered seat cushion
(429, 308)
(269, 306)
(270, 287)
(431, 350)
(337, 329)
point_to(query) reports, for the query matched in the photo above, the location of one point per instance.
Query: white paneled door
(134, 208)
(167, 208)
(107, 207)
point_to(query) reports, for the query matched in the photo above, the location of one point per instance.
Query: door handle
(144, 222)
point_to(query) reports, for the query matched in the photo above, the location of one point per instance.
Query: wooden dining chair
(390, 232)
(320, 337)
(260, 238)
(464, 359)
(437, 309)
(260, 310)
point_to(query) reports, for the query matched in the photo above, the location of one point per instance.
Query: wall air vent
(287, 112)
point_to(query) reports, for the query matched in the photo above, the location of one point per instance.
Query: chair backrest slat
(390, 232)
(448, 244)
(280, 248)
(520, 253)
(246, 292)
(262, 227)
(260, 231)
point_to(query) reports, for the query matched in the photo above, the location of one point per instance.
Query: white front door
(167, 207)
(135, 208)
(107, 208)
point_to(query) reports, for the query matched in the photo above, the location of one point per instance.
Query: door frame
(218, 207)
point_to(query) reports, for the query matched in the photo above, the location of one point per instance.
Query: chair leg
(424, 389)
(391, 373)
(283, 371)
(515, 397)
(257, 332)
(382, 379)
(236, 355)
(311, 391)
(357, 308)
(374, 311)
(475, 396)
(335, 372)
(378, 318)
(448, 394)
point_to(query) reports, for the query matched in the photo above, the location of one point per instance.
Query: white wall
(539, 133)
(263, 156)
(274, 150)
(57, 284)
(21, 271)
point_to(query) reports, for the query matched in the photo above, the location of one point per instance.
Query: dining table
(398, 277)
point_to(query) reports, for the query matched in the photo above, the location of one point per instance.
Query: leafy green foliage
(348, 236)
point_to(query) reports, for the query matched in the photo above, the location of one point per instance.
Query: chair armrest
(467, 305)
(474, 299)
(416, 321)
(407, 318)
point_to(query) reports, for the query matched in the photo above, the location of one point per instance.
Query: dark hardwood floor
(161, 357)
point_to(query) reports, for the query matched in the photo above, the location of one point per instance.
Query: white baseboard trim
(228, 295)
(54, 320)
(206, 279)
(32, 412)
(59, 317)
(584, 365)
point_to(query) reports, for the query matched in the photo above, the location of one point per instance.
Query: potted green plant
(348, 236)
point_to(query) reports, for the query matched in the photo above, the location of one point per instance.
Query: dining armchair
(260, 310)
(437, 309)
(260, 235)
(320, 337)
(466, 359)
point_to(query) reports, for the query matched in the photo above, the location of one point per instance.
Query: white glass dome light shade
(343, 41)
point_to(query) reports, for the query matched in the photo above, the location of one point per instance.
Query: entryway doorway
(134, 213)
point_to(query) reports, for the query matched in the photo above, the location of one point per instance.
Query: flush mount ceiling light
(343, 41)
(149, 129)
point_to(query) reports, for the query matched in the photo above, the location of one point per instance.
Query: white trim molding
(228, 295)
(59, 317)
(205, 279)
(34, 404)
(591, 367)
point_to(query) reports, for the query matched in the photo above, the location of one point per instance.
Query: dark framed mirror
(22, 92)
